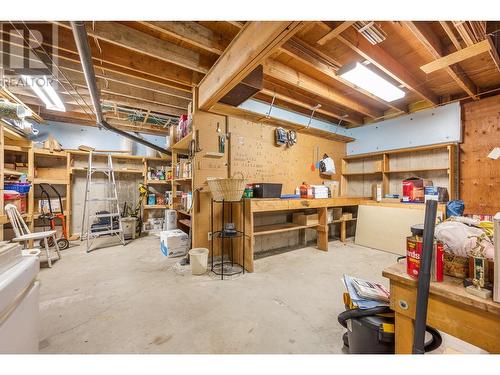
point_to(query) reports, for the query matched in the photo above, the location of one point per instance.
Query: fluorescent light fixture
(42, 86)
(370, 81)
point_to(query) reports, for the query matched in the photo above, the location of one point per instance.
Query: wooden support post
(31, 194)
(404, 334)
(322, 231)
(343, 231)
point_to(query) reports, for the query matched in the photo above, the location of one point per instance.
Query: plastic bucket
(198, 258)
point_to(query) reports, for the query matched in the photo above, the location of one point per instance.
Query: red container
(414, 247)
(413, 189)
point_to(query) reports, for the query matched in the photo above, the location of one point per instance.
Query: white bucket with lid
(198, 258)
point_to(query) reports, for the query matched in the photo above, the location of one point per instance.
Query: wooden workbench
(451, 310)
(255, 205)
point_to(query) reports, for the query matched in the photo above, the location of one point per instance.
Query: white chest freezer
(19, 306)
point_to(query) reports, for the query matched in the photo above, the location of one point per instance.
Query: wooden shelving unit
(437, 163)
(181, 183)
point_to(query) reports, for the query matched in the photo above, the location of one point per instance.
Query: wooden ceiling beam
(433, 45)
(143, 43)
(118, 60)
(390, 66)
(295, 99)
(191, 33)
(74, 69)
(132, 92)
(335, 32)
(456, 57)
(253, 44)
(449, 31)
(316, 59)
(286, 74)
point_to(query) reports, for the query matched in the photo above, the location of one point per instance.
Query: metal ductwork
(82, 44)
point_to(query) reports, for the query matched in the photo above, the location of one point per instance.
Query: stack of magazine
(366, 294)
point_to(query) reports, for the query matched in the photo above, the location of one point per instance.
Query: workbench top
(451, 288)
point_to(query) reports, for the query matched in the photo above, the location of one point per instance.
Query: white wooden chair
(24, 235)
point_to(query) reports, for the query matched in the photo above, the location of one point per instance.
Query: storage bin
(267, 190)
(129, 225)
(300, 218)
(20, 187)
(334, 213)
(13, 197)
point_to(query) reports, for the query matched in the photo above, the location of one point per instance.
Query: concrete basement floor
(132, 299)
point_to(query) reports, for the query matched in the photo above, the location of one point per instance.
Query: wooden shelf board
(419, 170)
(158, 182)
(116, 170)
(362, 173)
(45, 152)
(50, 181)
(21, 149)
(184, 212)
(185, 222)
(12, 172)
(183, 144)
(178, 180)
(279, 228)
(156, 206)
(341, 220)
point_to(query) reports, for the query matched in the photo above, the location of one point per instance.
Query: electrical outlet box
(209, 236)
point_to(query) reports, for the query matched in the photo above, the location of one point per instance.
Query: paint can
(414, 246)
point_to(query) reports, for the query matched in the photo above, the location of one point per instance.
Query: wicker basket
(227, 189)
(456, 266)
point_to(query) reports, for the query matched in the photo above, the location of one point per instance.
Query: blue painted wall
(70, 136)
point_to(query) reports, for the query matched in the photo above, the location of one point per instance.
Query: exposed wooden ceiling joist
(286, 74)
(121, 89)
(253, 44)
(335, 32)
(192, 33)
(456, 57)
(433, 45)
(137, 41)
(390, 66)
(118, 60)
(451, 34)
(110, 76)
(309, 101)
(322, 63)
(306, 107)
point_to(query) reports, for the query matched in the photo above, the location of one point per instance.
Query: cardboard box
(377, 192)
(300, 218)
(334, 213)
(413, 189)
(346, 216)
(174, 243)
(333, 186)
(51, 173)
(43, 205)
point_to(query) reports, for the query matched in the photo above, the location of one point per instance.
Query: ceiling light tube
(44, 90)
(361, 76)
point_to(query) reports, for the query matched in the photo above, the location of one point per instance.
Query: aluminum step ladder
(110, 200)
